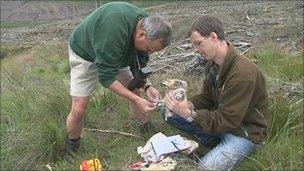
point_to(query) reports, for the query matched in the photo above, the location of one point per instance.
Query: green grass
(16, 24)
(279, 64)
(35, 103)
(12, 50)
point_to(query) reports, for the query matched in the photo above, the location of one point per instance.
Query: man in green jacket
(231, 113)
(110, 46)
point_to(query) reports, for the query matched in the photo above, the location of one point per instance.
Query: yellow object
(91, 165)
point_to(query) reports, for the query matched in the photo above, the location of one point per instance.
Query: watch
(146, 88)
(191, 117)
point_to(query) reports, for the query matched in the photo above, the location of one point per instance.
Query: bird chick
(178, 89)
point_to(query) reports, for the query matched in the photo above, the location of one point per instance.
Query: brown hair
(206, 24)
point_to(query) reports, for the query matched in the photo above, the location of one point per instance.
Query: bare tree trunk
(97, 3)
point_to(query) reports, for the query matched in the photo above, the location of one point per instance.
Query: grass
(35, 103)
(16, 24)
(34, 106)
(279, 64)
(33, 114)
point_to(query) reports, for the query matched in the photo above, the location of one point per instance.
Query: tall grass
(35, 103)
(284, 147)
(278, 64)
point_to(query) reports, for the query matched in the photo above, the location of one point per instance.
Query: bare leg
(141, 118)
(75, 120)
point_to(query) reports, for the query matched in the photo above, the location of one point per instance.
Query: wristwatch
(191, 117)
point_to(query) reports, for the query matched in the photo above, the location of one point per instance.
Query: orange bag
(91, 165)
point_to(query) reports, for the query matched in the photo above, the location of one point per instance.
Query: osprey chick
(178, 88)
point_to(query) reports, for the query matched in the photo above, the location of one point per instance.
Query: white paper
(165, 145)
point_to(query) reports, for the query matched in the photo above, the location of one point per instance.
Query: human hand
(144, 105)
(153, 94)
(180, 108)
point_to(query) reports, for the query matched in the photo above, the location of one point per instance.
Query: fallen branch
(113, 131)
(170, 47)
(175, 56)
(158, 6)
(161, 68)
(245, 51)
(49, 167)
(112, 105)
(179, 48)
(241, 44)
(246, 15)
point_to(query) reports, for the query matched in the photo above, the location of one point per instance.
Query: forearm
(119, 89)
(147, 85)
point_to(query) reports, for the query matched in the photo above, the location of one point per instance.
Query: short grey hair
(157, 28)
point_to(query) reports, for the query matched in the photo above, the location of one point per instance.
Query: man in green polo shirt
(109, 46)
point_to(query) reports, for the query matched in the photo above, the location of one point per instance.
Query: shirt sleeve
(233, 105)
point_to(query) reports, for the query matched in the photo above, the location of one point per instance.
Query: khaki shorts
(84, 76)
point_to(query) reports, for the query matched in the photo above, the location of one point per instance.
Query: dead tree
(97, 3)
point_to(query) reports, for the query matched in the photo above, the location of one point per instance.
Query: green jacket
(106, 38)
(234, 99)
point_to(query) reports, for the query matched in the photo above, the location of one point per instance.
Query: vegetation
(35, 103)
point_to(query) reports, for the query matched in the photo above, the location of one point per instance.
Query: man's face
(143, 44)
(205, 46)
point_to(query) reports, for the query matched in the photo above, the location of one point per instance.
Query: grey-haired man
(109, 46)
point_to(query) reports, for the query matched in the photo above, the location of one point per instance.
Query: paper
(159, 145)
(165, 145)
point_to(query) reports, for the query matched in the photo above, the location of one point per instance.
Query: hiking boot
(68, 149)
(73, 144)
(148, 127)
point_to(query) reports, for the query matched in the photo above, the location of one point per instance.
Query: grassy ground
(35, 103)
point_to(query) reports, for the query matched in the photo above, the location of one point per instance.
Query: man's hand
(153, 95)
(180, 108)
(144, 105)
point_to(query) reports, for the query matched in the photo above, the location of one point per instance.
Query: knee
(213, 166)
(219, 160)
(78, 112)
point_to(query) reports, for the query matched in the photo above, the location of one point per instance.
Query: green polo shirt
(106, 38)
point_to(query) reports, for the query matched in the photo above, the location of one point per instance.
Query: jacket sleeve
(204, 99)
(233, 105)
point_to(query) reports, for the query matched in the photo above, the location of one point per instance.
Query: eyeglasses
(197, 43)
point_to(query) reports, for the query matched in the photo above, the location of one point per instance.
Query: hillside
(35, 81)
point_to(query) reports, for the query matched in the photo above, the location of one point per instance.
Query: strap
(146, 88)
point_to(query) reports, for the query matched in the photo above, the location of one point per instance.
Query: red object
(84, 165)
(136, 166)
